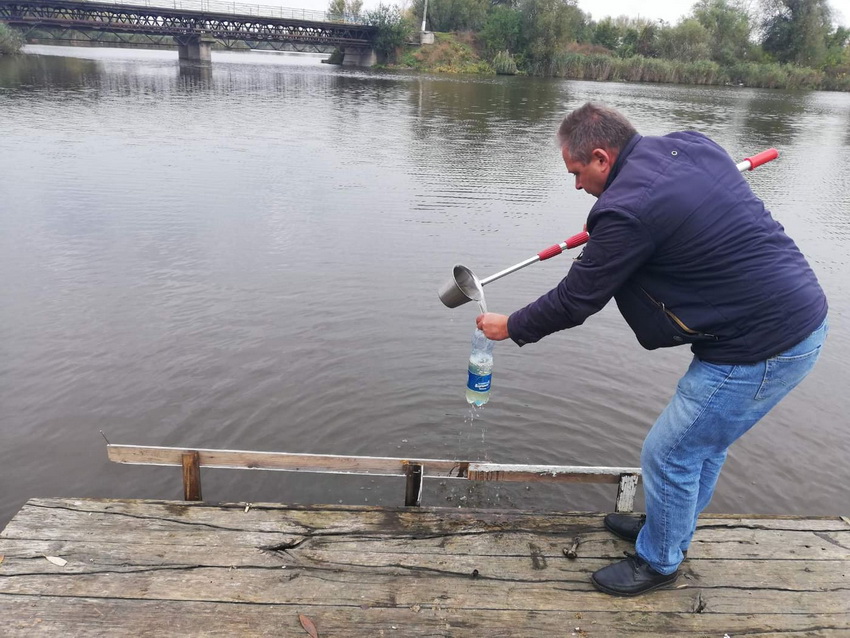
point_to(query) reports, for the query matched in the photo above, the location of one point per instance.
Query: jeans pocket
(784, 371)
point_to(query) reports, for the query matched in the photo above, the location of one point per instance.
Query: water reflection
(37, 72)
(195, 76)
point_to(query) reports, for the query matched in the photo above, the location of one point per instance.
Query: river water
(248, 257)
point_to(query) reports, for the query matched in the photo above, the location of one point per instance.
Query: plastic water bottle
(480, 369)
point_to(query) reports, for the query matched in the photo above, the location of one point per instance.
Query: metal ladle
(465, 286)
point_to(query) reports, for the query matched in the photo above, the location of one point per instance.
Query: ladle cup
(462, 287)
(465, 286)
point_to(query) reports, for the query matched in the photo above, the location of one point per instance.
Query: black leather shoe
(631, 577)
(626, 526)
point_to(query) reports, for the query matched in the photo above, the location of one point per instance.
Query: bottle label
(479, 383)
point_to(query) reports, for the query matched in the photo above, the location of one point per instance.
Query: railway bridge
(195, 25)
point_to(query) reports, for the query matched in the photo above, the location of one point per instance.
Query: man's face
(591, 176)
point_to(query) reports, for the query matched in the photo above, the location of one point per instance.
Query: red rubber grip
(578, 240)
(550, 252)
(762, 158)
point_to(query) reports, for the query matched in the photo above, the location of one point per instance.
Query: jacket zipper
(672, 316)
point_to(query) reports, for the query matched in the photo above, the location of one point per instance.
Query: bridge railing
(240, 8)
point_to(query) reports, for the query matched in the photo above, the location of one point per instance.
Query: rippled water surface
(248, 257)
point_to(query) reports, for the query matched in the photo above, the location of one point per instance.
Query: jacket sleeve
(619, 244)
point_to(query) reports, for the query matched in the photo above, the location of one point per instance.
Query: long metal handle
(508, 271)
(581, 238)
(556, 249)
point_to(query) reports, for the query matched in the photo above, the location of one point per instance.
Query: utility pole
(425, 37)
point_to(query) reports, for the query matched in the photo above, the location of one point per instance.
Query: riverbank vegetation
(10, 40)
(775, 44)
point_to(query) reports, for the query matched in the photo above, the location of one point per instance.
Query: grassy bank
(450, 53)
(462, 53)
(639, 69)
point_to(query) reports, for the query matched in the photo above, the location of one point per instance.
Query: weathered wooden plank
(222, 570)
(85, 617)
(781, 545)
(365, 518)
(27, 557)
(191, 462)
(413, 486)
(496, 542)
(438, 531)
(385, 466)
(347, 587)
(285, 461)
(78, 516)
(547, 473)
(626, 492)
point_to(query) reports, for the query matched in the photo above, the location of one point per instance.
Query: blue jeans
(682, 455)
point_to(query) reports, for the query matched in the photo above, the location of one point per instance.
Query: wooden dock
(90, 567)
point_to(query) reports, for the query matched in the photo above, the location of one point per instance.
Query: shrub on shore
(10, 40)
(504, 63)
(450, 53)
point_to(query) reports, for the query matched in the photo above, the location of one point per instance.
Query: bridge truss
(64, 19)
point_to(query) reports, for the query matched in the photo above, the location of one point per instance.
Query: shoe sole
(614, 592)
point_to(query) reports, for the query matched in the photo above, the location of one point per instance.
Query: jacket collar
(621, 158)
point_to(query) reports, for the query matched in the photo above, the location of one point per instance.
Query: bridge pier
(194, 48)
(359, 56)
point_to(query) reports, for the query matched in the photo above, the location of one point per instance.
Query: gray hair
(594, 126)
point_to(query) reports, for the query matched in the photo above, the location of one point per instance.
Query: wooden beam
(413, 487)
(414, 470)
(374, 465)
(191, 476)
(548, 473)
(286, 462)
(626, 493)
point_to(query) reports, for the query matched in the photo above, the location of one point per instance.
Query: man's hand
(494, 327)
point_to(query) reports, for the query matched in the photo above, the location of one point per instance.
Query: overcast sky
(669, 10)
(672, 10)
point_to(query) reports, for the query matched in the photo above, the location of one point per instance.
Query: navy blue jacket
(690, 255)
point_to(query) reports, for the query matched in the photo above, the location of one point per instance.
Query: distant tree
(503, 30)
(646, 42)
(548, 26)
(796, 31)
(336, 9)
(393, 29)
(453, 15)
(607, 34)
(838, 48)
(627, 36)
(339, 9)
(10, 40)
(688, 41)
(728, 26)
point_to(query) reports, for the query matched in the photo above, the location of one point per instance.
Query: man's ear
(602, 156)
